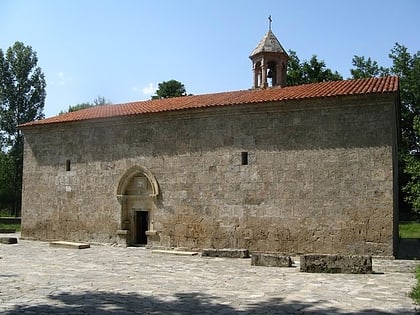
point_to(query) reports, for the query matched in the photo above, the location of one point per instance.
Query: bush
(5, 213)
(415, 293)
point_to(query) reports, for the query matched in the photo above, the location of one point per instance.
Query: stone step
(174, 252)
(65, 244)
(8, 240)
(225, 252)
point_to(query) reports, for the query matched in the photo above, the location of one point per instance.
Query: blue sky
(122, 49)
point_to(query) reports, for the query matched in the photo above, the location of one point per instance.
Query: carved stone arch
(136, 171)
(137, 192)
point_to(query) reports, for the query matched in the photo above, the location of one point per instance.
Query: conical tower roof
(269, 43)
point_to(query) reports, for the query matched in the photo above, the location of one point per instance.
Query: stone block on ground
(271, 260)
(65, 244)
(225, 252)
(174, 252)
(8, 240)
(327, 263)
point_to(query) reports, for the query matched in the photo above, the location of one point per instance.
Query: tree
(100, 100)
(22, 98)
(171, 88)
(75, 108)
(7, 193)
(407, 67)
(412, 169)
(308, 72)
(294, 70)
(366, 68)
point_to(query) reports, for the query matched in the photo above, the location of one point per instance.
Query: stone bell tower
(269, 61)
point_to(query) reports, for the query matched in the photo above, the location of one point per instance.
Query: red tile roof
(306, 91)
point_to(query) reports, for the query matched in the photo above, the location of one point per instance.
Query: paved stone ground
(106, 280)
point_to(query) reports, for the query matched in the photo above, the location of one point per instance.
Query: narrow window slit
(244, 156)
(68, 165)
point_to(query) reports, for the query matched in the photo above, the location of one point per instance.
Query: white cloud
(60, 79)
(149, 89)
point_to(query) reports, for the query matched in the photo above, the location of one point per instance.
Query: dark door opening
(142, 223)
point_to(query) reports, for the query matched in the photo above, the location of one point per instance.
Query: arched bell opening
(272, 73)
(257, 74)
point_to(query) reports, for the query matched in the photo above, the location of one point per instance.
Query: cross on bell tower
(269, 61)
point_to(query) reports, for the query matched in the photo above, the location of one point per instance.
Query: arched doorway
(137, 192)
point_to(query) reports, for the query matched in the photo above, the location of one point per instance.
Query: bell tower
(269, 61)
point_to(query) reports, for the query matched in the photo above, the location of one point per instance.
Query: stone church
(297, 169)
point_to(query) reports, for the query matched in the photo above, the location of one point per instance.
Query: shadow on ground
(106, 303)
(409, 248)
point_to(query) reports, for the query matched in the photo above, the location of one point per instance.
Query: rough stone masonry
(302, 176)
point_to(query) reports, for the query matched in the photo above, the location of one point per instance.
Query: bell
(269, 74)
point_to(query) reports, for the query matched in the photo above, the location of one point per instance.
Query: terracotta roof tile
(306, 91)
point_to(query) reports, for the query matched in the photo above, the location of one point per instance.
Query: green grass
(4, 213)
(409, 230)
(415, 293)
(10, 226)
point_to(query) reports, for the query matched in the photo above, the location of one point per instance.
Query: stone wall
(319, 176)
